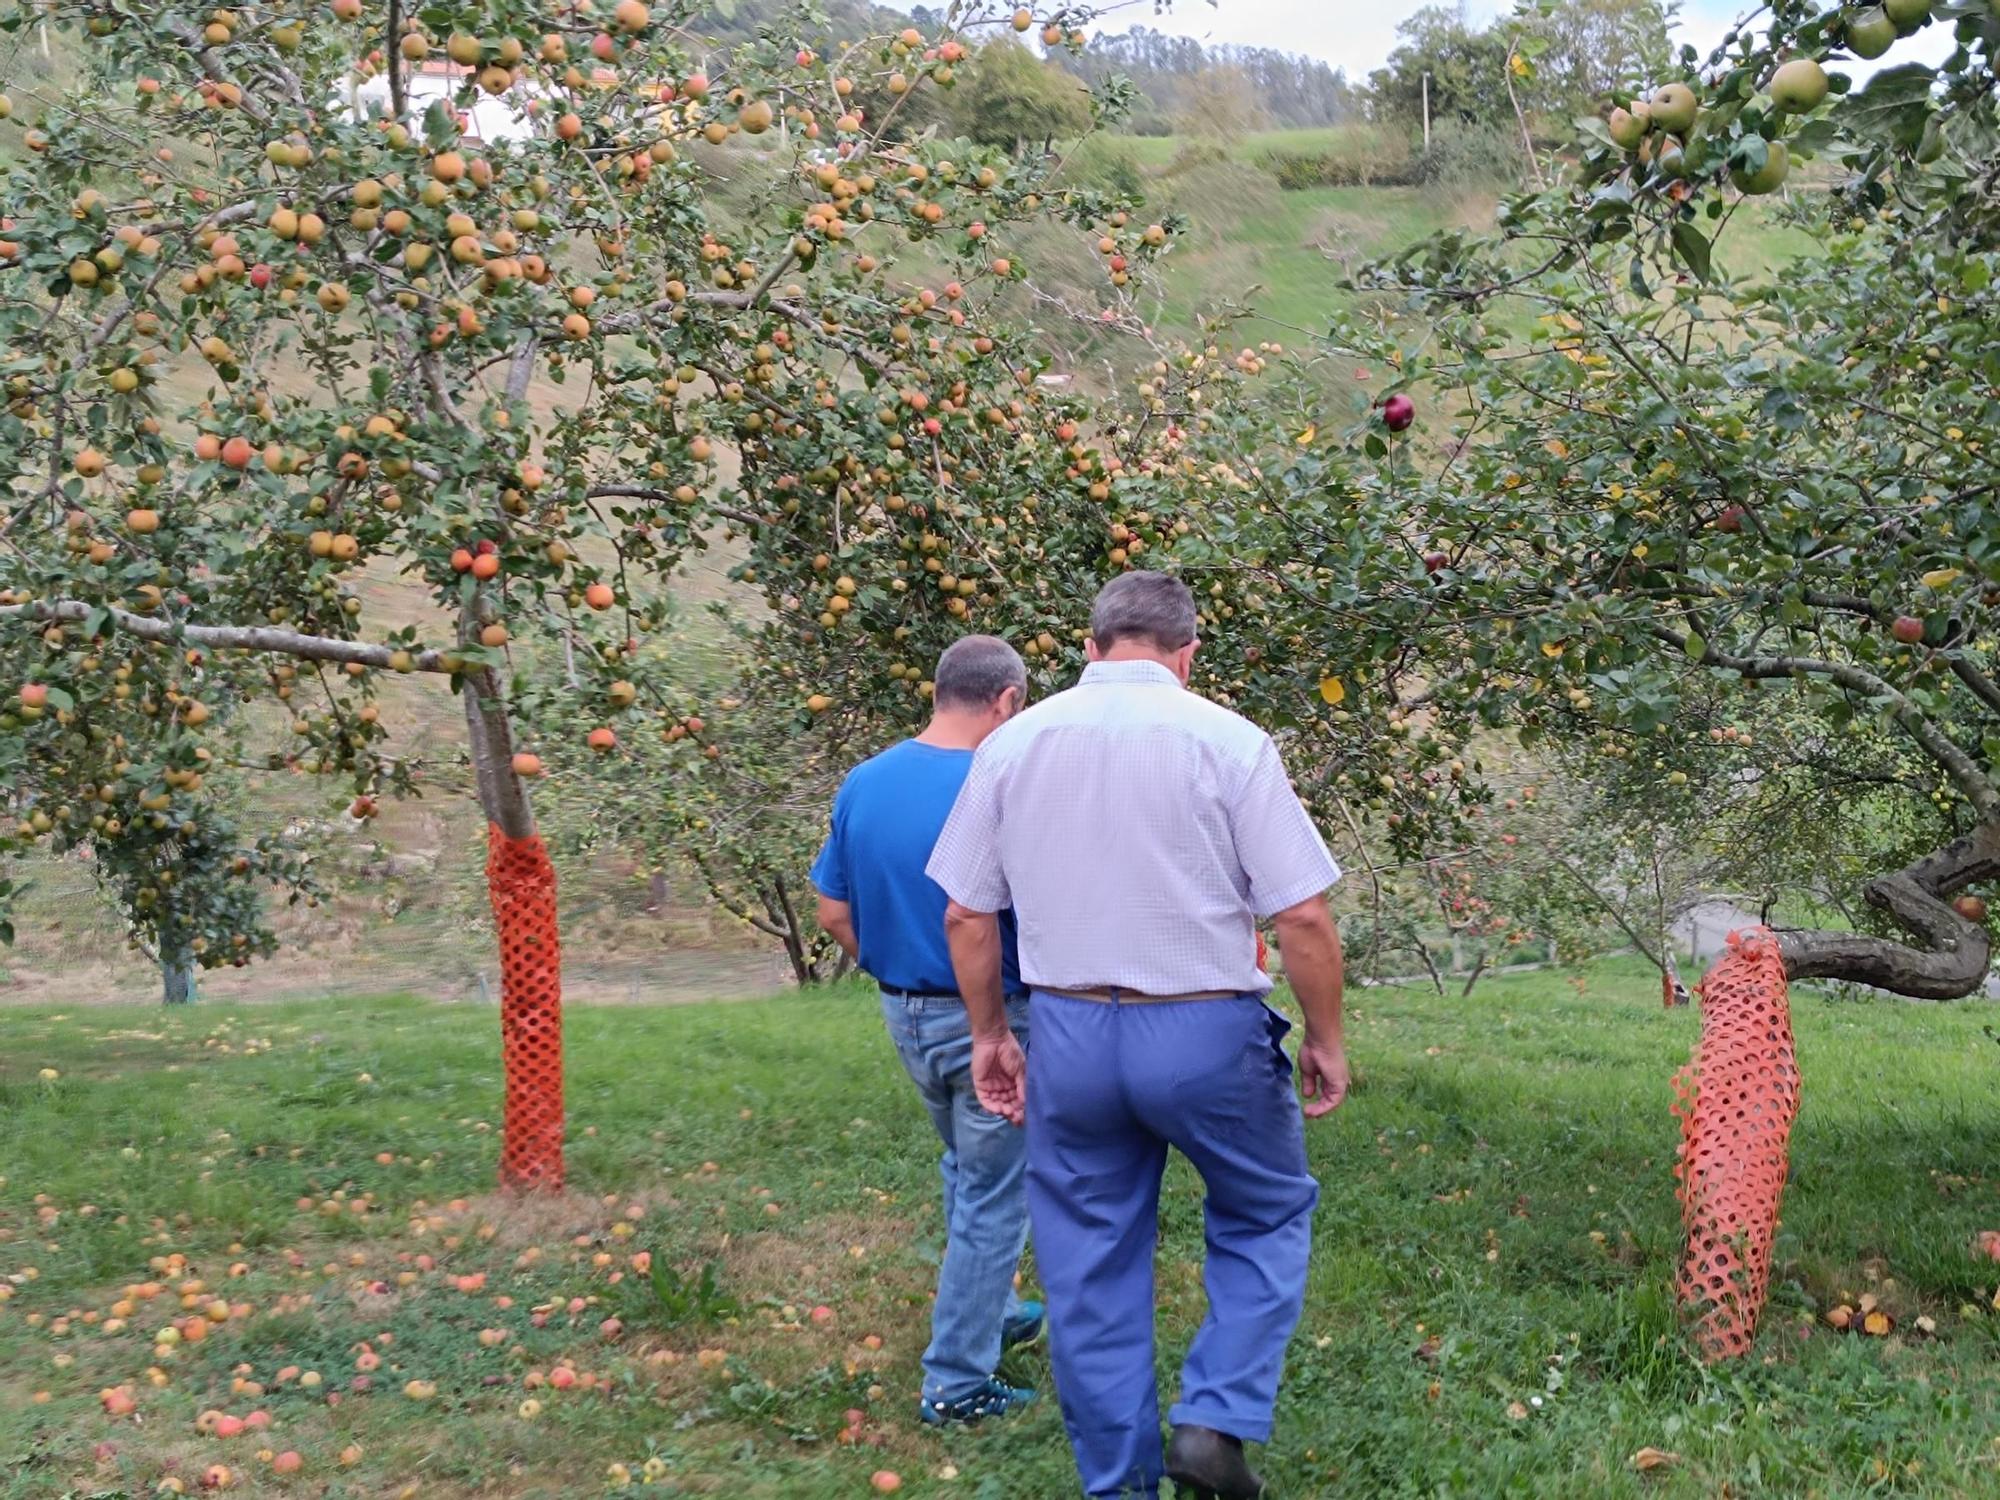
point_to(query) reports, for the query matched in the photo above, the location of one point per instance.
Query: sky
(1358, 35)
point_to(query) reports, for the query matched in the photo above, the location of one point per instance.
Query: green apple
(1870, 32)
(1627, 129)
(1767, 178)
(1909, 15)
(1674, 108)
(1799, 86)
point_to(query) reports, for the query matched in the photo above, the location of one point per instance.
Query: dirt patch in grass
(777, 1262)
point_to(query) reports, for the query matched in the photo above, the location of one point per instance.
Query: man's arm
(975, 960)
(836, 920)
(966, 864)
(1309, 941)
(999, 1070)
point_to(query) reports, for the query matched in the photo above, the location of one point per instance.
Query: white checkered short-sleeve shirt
(1138, 831)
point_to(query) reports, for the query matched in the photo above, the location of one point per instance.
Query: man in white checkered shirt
(1138, 832)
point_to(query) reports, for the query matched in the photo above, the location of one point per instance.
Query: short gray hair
(975, 671)
(1144, 606)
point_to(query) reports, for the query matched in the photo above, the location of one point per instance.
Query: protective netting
(1736, 1100)
(522, 883)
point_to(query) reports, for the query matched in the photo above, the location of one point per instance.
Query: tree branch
(1962, 768)
(1959, 950)
(223, 637)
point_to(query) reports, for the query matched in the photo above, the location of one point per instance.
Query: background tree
(248, 384)
(1732, 536)
(1011, 99)
(1466, 65)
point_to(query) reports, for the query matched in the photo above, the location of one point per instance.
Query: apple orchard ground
(1489, 1311)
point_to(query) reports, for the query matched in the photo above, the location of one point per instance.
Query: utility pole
(1427, 109)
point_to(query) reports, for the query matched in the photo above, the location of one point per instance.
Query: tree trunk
(1955, 953)
(1472, 979)
(177, 974)
(521, 884)
(1672, 991)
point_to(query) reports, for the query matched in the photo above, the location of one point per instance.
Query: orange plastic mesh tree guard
(1736, 1100)
(522, 883)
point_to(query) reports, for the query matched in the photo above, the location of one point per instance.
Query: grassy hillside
(1490, 1309)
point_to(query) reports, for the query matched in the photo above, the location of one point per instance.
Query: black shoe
(1209, 1465)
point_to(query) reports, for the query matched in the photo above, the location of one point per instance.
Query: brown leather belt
(1112, 995)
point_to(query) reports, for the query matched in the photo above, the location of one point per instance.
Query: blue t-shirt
(886, 818)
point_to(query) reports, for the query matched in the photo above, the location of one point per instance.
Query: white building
(501, 117)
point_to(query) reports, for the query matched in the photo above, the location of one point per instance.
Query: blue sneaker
(993, 1399)
(1024, 1327)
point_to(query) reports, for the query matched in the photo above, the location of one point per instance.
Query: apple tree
(280, 341)
(1717, 536)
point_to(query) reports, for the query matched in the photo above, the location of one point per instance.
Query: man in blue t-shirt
(878, 903)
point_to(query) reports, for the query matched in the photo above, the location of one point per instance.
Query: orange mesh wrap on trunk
(1736, 1100)
(522, 884)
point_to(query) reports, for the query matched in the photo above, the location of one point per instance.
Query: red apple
(1972, 908)
(1435, 562)
(1398, 412)
(1908, 629)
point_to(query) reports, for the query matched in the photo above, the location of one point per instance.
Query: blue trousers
(985, 1207)
(1110, 1088)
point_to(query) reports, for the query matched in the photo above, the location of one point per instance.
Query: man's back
(1140, 829)
(886, 819)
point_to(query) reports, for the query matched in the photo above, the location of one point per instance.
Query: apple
(1972, 908)
(1908, 629)
(1799, 85)
(1628, 129)
(1908, 15)
(34, 695)
(1398, 412)
(1674, 107)
(1869, 33)
(260, 276)
(1731, 519)
(1767, 178)
(1436, 562)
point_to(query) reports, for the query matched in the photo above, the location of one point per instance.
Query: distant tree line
(1563, 58)
(1179, 78)
(1573, 54)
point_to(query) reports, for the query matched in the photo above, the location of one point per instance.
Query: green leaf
(1374, 445)
(1691, 245)
(1893, 108)
(1814, 136)
(1636, 278)
(1695, 647)
(60, 700)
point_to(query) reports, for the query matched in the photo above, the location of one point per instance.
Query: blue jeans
(1110, 1088)
(985, 1205)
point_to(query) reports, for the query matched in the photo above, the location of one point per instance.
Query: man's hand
(1322, 1076)
(1000, 1076)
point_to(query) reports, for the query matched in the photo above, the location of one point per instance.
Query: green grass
(1499, 1183)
